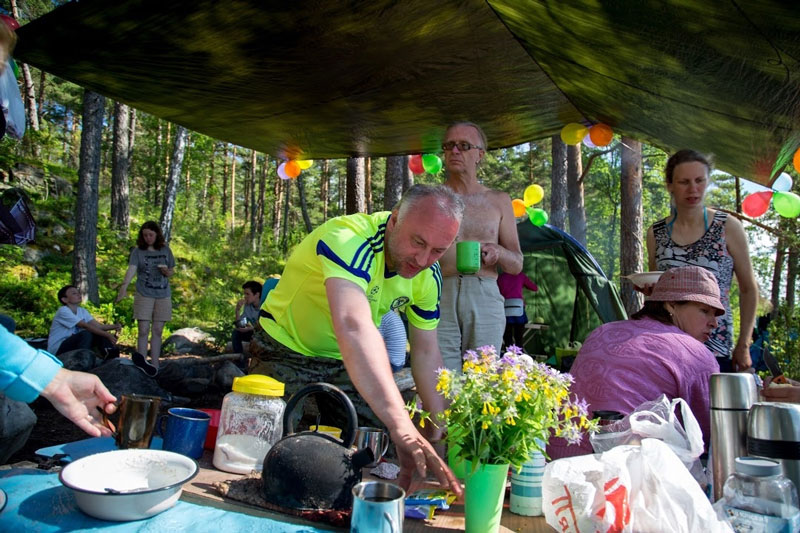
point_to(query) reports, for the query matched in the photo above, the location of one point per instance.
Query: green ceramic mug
(468, 257)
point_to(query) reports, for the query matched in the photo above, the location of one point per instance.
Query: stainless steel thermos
(773, 431)
(732, 395)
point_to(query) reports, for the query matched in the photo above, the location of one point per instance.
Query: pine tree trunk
(40, 101)
(301, 194)
(171, 190)
(408, 176)
(775, 293)
(791, 264)
(393, 186)
(356, 181)
(558, 184)
(278, 190)
(262, 200)
(368, 184)
(225, 167)
(120, 211)
(631, 257)
(325, 188)
(575, 208)
(252, 199)
(287, 186)
(232, 195)
(84, 268)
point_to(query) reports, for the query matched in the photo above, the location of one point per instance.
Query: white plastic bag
(641, 489)
(657, 420)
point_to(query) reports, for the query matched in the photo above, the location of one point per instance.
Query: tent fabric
(574, 295)
(334, 79)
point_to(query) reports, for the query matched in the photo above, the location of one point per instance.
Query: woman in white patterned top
(696, 235)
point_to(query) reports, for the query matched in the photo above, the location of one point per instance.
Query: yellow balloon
(518, 206)
(573, 133)
(304, 163)
(533, 195)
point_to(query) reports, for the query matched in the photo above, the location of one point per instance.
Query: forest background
(94, 170)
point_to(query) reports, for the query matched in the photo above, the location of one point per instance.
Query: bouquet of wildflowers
(503, 408)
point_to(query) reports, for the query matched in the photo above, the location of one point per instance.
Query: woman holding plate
(696, 235)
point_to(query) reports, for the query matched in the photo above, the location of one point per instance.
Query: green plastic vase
(485, 490)
(456, 463)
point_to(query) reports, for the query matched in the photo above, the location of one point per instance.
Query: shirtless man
(472, 313)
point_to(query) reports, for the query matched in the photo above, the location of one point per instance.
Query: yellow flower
(510, 421)
(485, 425)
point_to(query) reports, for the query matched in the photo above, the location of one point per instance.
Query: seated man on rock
(73, 328)
(321, 320)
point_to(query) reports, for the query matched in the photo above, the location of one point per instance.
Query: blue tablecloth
(38, 502)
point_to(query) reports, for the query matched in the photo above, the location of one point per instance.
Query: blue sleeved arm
(24, 371)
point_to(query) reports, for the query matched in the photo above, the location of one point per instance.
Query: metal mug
(137, 419)
(378, 507)
(375, 439)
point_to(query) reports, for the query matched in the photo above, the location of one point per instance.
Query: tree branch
(591, 160)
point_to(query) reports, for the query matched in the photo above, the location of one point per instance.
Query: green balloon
(431, 163)
(537, 216)
(787, 204)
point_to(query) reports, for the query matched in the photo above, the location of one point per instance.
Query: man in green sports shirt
(322, 317)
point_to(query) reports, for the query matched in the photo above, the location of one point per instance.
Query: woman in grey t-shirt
(153, 264)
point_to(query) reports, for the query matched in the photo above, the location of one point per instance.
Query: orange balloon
(292, 169)
(796, 160)
(518, 206)
(601, 134)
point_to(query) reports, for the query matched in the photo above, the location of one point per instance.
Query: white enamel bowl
(640, 279)
(124, 485)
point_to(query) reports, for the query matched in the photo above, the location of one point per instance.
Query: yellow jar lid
(258, 384)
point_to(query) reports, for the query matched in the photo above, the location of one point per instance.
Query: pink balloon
(756, 204)
(587, 141)
(282, 171)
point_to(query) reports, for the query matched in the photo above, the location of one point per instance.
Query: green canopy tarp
(323, 79)
(574, 295)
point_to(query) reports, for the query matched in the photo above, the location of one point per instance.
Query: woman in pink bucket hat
(659, 350)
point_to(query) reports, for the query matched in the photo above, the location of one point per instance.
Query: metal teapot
(311, 470)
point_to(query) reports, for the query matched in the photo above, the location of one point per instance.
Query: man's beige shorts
(153, 309)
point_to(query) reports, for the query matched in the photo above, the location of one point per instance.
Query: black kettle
(310, 470)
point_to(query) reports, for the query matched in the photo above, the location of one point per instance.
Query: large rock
(16, 422)
(226, 372)
(34, 179)
(81, 360)
(189, 340)
(122, 378)
(185, 377)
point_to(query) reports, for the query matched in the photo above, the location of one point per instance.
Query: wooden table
(201, 491)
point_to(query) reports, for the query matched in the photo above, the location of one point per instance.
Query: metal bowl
(124, 485)
(642, 279)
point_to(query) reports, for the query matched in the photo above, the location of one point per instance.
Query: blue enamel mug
(186, 431)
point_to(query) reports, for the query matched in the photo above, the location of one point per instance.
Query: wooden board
(200, 491)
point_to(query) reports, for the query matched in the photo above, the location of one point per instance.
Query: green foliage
(784, 340)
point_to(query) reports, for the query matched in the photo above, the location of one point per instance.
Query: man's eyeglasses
(463, 146)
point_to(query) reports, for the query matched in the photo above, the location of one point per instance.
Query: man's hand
(416, 455)
(77, 395)
(490, 253)
(239, 305)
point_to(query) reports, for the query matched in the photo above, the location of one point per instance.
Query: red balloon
(415, 164)
(11, 22)
(756, 204)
